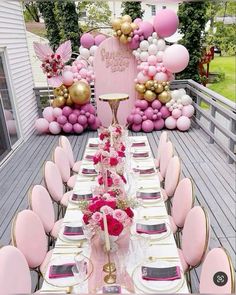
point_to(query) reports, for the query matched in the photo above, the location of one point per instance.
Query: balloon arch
(154, 107)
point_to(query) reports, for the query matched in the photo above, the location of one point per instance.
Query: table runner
(163, 248)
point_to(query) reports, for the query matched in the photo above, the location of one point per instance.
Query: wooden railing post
(198, 114)
(212, 125)
(232, 144)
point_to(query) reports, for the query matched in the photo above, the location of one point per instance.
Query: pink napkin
(89, 157)
(70, 231)
(144, 171)
(168, 274)
(148, 196)
(141, 155)
(61, 271)
(151, 229)
(137, 144)
(89, 171)
(93, 145)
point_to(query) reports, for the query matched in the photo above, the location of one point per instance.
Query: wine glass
(80, 272)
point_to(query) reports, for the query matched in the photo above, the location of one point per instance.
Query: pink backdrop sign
(115, 70)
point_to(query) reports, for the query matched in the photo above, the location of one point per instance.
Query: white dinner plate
(66, 238)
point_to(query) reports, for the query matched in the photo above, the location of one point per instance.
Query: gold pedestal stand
(110, 268)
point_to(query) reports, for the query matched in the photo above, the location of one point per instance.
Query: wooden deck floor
(205, 163)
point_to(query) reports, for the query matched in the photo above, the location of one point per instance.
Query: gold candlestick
(110, 278)
(110, 266)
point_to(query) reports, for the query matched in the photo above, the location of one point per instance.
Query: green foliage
(46, 8)
(193, 18)
(31, 12)
(98, 14)
(133, 9)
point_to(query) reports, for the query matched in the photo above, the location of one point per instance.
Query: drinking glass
(80, 272)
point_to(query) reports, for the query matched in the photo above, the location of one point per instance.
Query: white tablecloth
(165, 247)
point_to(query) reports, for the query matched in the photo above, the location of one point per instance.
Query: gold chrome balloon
(69, 102)
(164, 97)
(163, 83)
(56, 91)
(166, 88)
(118, 32)
(150, 95)
(126, 18)
(116, 24)
(126, 28)
(149, 84)
(140, 88)
(59, 102)
(159, 88)
(134, 26)
(80, 92)
(123, 39)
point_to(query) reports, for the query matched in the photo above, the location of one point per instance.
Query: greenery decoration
(133, 9)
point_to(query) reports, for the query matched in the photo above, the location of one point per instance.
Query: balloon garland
(71, 111)
(157, 107)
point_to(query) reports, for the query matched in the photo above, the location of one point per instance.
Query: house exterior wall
(14, 43)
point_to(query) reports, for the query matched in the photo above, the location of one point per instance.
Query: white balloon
(137, 55)
(134, 52)
(154, 35)
(179, 101)
(168, 104)
(91, 60)
(155, 41)
(172, 101)
(80, 48)
(182, 91)
(186, 99)
(175, 105)
(93, 49)
(150, 39)
(175, 94)
(144, 45)
(152, 49)
(161, 44)
(171, 109)
(159, 56)
(139, 50)
(84, 52)
(144, 56)
(180, 106)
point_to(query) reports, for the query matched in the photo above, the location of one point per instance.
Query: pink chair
(63, 164)
(54, 184)
(29, 237)
(166, 154)
(40, 202)
(217, 260)
(14, 272)
(182, 202)
(65, 144)
(162, 141)
(195, 239)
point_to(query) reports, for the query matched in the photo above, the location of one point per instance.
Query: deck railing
(215, 114)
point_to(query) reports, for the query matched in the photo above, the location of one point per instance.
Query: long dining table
(159, 252)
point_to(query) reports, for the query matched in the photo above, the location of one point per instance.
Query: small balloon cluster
(157, 62)
(124, 28)
(68, 120)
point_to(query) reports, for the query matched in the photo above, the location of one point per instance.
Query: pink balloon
(57, 112)
(91, 109)
(152, 71)
(8, 115)
(154, 117)
(142, 78)
(62, 120)
(149, 113)
(48, 114)
(82, 119)
(156, 104)
(134, 44)
(66, 111)
(96, 124)
(159, 115)
(137, 103)
(87, 40)
(67, 128)
(143, 104)
(165, 22)
(11, 127)
(91, 119)
(41, 125)
(159, 124)
(176, 113)
(165, 112)
(87, 114)
(161, 77)
(136, 127)
(148, 126)
(146, 28)
(188, 111)
(76, 112)
(137, 119)
(78, 128)
(72, 118)
(83, 73)
(99, 39)
(67, 78)
(152, 60)
(173, 64)
(170, 123)
(183, 123)
(54, 128)
(130, 119)
(137, 20)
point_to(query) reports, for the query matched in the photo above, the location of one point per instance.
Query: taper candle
(106, 234)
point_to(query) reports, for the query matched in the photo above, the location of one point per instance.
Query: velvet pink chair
(54, 184)
(195, 240)
(162, 141)
(65, 144)
(217, 260)
(29, 237)
(166, 154)
(182, 202)
(40, 202)
(63, 164)
(14, 272)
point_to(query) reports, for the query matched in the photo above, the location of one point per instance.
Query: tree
(31, 11)
(95, 13)
(193, 18)
(133, 9)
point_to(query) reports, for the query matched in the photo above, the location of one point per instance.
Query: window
(153, 9)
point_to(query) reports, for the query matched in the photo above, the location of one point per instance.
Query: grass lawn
(228, 86)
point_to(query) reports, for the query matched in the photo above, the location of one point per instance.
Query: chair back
(29, 237)
(62, 162)
(166, 154)
(182, 201)
(53, 181)
(217, 261)
(172, 176)
(65, 144)
(162, 141)
(195, 236)
(41, 203)
(14, 272)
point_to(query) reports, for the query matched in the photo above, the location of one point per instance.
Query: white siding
(13, 38)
